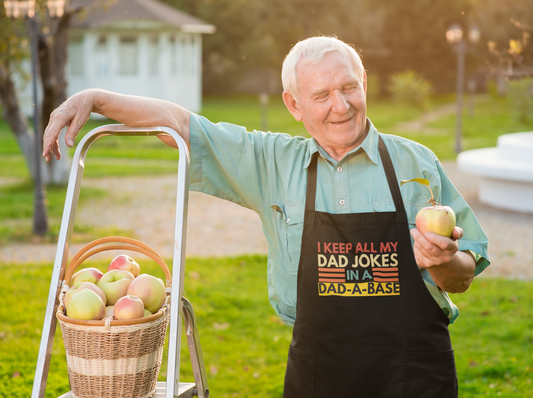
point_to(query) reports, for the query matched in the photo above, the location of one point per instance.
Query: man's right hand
(74, 113)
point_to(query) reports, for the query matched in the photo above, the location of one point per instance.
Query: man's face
(331, 105)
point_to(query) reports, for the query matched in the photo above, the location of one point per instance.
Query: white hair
(310, 52)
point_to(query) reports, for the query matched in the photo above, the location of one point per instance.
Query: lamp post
(26, 9)
(454, 36)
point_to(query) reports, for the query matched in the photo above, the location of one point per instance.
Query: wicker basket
(114, 359)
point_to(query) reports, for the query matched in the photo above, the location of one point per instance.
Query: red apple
(125, 263)
(128, 307)
(88, 274)
(84, 285)
(437, 219)
(86, 304)
(115, 284)
(150, 290)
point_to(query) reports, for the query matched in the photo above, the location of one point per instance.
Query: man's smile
(342, 121)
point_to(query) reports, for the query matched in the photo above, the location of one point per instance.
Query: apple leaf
(423, 181)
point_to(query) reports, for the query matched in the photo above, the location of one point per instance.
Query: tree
(257, 35)
(11, 56)
(52, 49)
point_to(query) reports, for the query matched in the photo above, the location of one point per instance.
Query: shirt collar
(369, 146)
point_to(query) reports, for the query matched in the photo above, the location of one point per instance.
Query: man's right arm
(130, 110)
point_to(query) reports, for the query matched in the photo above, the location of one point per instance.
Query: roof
(105, 12)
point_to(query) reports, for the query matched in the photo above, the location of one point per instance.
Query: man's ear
(292, 105)
(364, 80)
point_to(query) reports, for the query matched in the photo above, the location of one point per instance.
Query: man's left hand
(432, 250)
(452, 270)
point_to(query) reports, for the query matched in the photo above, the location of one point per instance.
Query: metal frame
(62, 255)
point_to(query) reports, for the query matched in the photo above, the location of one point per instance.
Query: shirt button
(288, 220)
(339, 169)
(342, 202)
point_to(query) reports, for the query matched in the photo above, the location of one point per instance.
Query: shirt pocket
(411, 209)
(288, 219)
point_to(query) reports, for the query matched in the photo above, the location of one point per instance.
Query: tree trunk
(14, 117)
(52, 60)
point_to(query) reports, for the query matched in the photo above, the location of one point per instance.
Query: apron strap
(391, 176)
(311, 183)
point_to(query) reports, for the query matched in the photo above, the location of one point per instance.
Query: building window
(128, 55)
(153, 55)
(174, 55)
(101, 57)
(76, 60)
(188, 55)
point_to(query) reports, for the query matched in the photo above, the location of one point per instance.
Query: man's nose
(339, 102)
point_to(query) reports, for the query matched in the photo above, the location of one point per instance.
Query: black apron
(366, 325)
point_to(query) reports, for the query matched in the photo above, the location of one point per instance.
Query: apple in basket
(84, 285)
(109, 311)
(88, 274)
(87, 305)
(150, 290)
(125, 263)
(128, 307)
(115, 284)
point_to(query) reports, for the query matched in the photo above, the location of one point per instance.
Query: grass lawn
(245, 345)
(134, 156)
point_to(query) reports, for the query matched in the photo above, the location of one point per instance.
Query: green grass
(245, 345)
(146, 156)
(490, 118)
(493, 116)
(17, 209)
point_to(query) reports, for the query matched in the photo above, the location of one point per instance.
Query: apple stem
(432, 200)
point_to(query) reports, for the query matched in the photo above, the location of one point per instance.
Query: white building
(140, 47)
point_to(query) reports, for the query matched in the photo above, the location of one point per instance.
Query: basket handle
(91, 249)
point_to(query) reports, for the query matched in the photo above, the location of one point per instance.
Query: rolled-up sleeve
(474, 238)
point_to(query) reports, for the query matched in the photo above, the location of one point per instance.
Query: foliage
(415, 38)
(245, 345)
(13, 50)
(410, 87)
(505, 29)
(373, 87)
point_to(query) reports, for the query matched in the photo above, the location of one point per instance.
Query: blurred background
(454, 75)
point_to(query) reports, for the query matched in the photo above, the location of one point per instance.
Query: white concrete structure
(506, 172)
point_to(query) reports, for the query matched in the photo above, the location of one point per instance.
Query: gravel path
(146, 206)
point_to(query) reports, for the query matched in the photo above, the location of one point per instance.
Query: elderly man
(364, 289)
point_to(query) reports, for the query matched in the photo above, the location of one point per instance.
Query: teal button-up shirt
(267, 172)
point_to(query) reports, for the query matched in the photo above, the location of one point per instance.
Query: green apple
(435, 218)
(109, 311)
(147, 313)
(84, 285)
(115, 284)
(87, 305)
(87, 274)
(125, 263)
(150, 290)
(128, 307)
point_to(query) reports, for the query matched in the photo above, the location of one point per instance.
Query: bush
(521, 93)
(372, 86)
(409, 86)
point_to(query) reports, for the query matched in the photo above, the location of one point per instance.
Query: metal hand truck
(179, 306)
